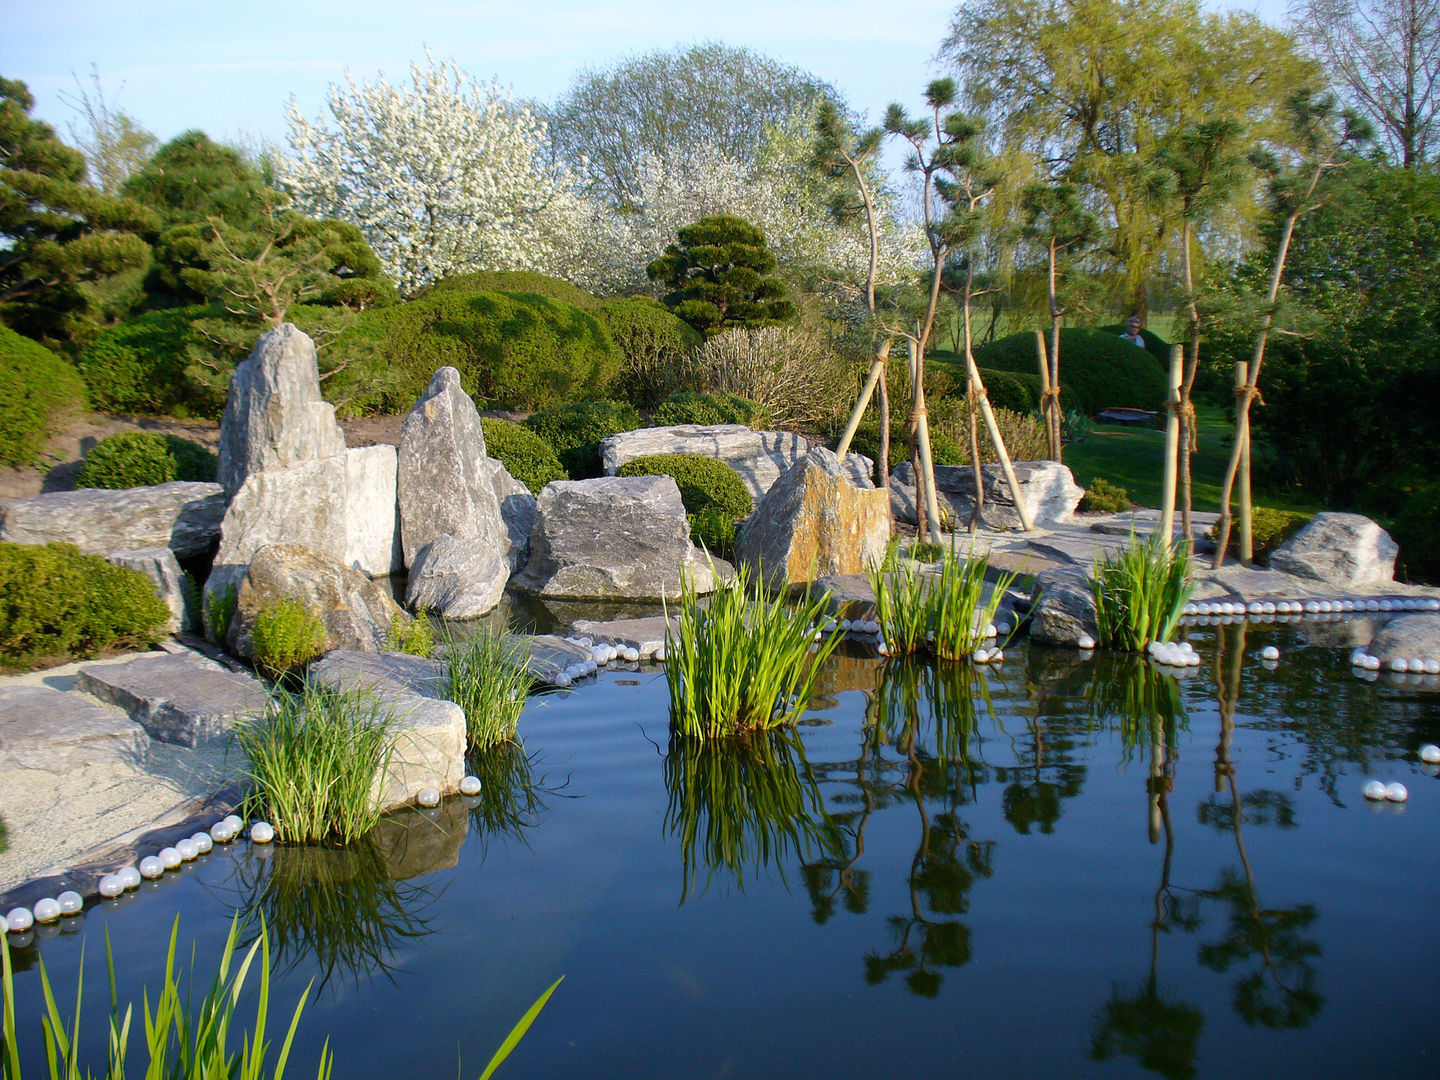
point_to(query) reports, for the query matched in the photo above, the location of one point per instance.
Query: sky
(230, 69)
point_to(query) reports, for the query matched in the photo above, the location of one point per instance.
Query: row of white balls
(1173, 653)
(1364, 660)
(1379, 791)
(1311, 607)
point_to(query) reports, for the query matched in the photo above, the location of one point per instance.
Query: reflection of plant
(1138, 697)
(743, 804)
(1158, 1033)
(1140, 592)
(509, 801)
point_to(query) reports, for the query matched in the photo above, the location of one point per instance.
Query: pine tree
(718, 276)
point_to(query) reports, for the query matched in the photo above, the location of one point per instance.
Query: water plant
(315, 760)
(285, 637)
(945, 613)
(1140, 592)
(414, 636)
(488, 676)
(743, 661)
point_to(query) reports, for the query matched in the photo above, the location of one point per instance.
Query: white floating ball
(1433, 604)
(170, 858)
(980, 655)
(470, 785)
(1372, 605)
(129, 877)
(18, 920)
(1400, 665)
(187, 849)
(47, 910)
(1254, 608)
(1387, 605)
(1270, 652)
(111, 886)
(1374, 790)
(1372, 663)
(996, 655)
(1417, 665)
(235, 822)
(1357, 657)
(221, 833)
(1432, 667)
(660, 655)
(631, 655)
(1085, 641)
(1312, 607)
(428, 796)
(883, 649)
(202, 842)
(561, 679)
(71, 902)
(151, 867)
(1004, 627)
(1430, 754)
(1394, 792)
(262, 832)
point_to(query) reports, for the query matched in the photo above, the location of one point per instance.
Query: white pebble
(202, 842)
(428, 796)
(19, 920)
(1394, 792)
(470, 785)
(47, 910)
(1374, 790)
(129, 876)
(1430, 754)
(262, 832)
(1270, 652)
(187, 849)
(1085, 641)
(111, 885)
(151, 867)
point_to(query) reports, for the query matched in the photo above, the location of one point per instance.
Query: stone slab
(183, 516)
(162, 568)
(51, 730)
(181, 699)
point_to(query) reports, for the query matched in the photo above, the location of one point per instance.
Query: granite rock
(183, 516)
(47, 729)
(1343, 550)
(457, 579)
(1048, 488)
(162, 568)
(1065, 609)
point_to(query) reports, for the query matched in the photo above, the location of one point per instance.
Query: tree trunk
(1056, 451)
(978, 385)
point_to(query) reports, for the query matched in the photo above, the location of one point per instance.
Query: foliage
(1100, 370)
(575, 431)
(488, 677)
(1103, 497)
(717, 275)
(1023, 434)
(315, 759)
(526, 456)
(790, 372)
(1140, 592)
(40, 389)
(57, 603)
(193, 178)
(715, 531)
(705, 483)
(446, 151)
(413, 636)
(741, 663)
(4, 837)
(690, 407)
(518, 281)
(115, 146)
(945, 613)
(220, 605)
(139, 458)
(943, 449)
(286, 637)
(1268, 530)
(653, 342)
(139, 366)
(1013, 390)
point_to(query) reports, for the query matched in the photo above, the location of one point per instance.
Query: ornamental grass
(488, 676)
(1140, 593)
(944, 614)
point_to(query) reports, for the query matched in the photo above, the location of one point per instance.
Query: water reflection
(511, 799)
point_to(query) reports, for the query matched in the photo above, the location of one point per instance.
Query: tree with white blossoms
(442, 176)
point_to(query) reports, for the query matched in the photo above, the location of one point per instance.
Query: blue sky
(230, 69)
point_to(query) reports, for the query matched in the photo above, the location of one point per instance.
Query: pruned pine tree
(719, 275)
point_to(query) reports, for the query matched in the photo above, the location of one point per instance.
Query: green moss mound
(575, 431)
(37, 391)
(705, 483)
(526, 456)
(57, 604)
(140, 458)
(1097, 369)
(695, 408)
(517, 281)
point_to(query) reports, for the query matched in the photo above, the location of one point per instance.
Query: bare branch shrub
(791, 371)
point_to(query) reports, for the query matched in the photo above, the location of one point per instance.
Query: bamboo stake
(877, 366)
(922, 437)
(1047, 401)
(1172, 445)
(1247, 549)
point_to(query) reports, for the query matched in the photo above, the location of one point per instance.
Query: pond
(1057, 867)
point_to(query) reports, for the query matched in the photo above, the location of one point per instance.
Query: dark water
(1056, 868)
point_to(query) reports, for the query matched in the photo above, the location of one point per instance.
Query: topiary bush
(140, 458)
(692, 408)
(518, 281)
(1103, 497)
(140, 366)
(705, 483)
(1097, 369)
(37, 390)
(286, 637)
(1011, 390)
(575, 431)
(56, 604)
(1155, 345)
(526, 456)
(654, 344)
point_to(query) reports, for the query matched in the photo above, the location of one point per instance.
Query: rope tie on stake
(1250, 392)
(1185, 412)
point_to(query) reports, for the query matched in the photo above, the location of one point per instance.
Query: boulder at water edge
(1065, 610)
(455, 578)
(182, 516)
(1048, 488)
(612, 537)
(1408, 638)
(274, 414)
(1343, 550)
(815, 521)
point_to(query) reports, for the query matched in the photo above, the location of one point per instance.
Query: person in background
(1132, 331)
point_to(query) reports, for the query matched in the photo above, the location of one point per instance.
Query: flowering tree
(442, 176)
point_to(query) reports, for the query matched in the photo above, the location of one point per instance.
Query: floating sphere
(1394, 792)
(561, 679)
(71, 902)
(151, 867)
(1270, 652)
(1372, 605)
(1372, 663)
(234, 822)
(202, 842)
(981, 655)
(883, 649)
(1400, 665)
(129, 877)
(631, 655)
(996, 655)
(187, 849)
(428, 796)
(1003, 627)
(47, 910)
(1433, 604)
(1430, 754)
(1268, 608)
(660, 655)
(1374, 790)
(470, 785)
(170, 858)
(19, 920)
(1432, 667)
(262, 832)
(1357, 657)
(111, 886)
(1085, 641)
(220, 833)
(1312, 607)
(1387, 605)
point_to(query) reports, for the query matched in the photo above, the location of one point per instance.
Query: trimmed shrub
(1268, 530)
(1103, 497)
(1097, 369)
(286, 637)
(140, 365)
(56, 603)
(705, 483)
(517, 281)
(575, 431)
(1011, 390)
(526, 456)
(140, 458)
(654, 343)
(692, 408)
(39, 389)
(1155, 345)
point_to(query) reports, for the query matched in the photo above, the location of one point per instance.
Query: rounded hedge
(575, 431)
(1098, 370)
(141, 458)
(696, 408)
(652, 341)
(139, 366)
(526, 456)
(56, 603)
(39, 390)
(516, 281)
(1011, 389)
(705, 483)
(1155, 345)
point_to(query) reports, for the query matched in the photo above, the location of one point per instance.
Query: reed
(488, 676)
(944, 614)
(1140, 593)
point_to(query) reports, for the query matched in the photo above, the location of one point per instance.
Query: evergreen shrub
(575, 431)
(526, 456)
(139, 366)
(653, 342)
(1268, 530)
(692, 408)
(286, 636)
(140, 458)
(705, 483)
(1097, 369)
(37, 390)
(1103, 497)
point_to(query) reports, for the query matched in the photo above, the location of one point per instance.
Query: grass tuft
(413, 636)
(286, 637)
(944, 614)
(1140, 593)
(488, 677)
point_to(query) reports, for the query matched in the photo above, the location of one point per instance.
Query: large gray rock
(758, 456)
(813, 522)
(181, 698)
(1066, 607)
(447, 484)
(357, 612)
(182, 515)
(1048, 488)
(47, 729)
(274, 415)
(612, 537)
(162, 568)
(1408, 638)
(1343, 550)
(429, 733)
(517, 511)
(372, 510)
(458, 579)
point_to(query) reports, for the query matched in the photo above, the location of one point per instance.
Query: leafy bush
(714, 531)
(39, 390)
(705, 483)
(689, 407)
(140, 365)
(140, 458)
(575, 431)
(1013, 390)
(413, 636)
(654, 344)
(286, 637)
(57, 603)
(526, 456)
(1155, 345)
(1140, 592)
(517, 281)
(1268, 530)
(1103, 497)
(1097, 370)
(943, 449)
(488, 677)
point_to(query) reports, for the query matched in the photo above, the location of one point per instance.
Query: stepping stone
(178, 698)
(646, 636)
(47, 729)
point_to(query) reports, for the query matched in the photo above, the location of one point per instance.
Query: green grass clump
(286, 637)
(220, 608)
(315, 760)
(742, 662)
(1268, 530)
(4, 837)
(56, 604)
(141, 458)
(575, 431)
(715, 531)
(943, 614)
(1103, 497)
(526, 456)
(1140, 592)
(488, 676)
(414, 636)
(39, 390)
(694, 408)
